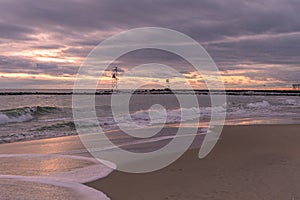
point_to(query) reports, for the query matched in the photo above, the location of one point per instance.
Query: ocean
(56, 169)
(36, 116)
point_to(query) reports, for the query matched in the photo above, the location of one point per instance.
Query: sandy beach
(249, 162)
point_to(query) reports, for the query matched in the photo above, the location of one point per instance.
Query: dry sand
(248, 163)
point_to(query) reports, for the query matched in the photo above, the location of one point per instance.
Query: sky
(254, 43)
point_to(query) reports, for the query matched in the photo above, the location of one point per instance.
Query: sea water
(30, 117)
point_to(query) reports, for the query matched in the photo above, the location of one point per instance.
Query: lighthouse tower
(167, 84)
(115, 78)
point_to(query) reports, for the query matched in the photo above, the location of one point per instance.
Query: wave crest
(24, 114)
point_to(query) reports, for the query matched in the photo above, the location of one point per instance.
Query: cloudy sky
(255, 43)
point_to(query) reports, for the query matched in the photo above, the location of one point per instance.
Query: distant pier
(296, 86)
(165, 91)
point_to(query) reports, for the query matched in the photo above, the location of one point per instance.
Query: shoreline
(229, 122)
(248, 162)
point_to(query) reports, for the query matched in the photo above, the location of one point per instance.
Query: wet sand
(248, 162)
(48, 169)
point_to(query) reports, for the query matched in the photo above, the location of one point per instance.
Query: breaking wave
(24, 114)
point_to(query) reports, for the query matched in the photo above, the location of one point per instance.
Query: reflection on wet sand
(39, 166)
(19, 189)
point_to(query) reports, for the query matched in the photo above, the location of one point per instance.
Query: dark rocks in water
(167, 91)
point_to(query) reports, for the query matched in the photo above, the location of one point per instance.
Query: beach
(248, 162)
(42, 156)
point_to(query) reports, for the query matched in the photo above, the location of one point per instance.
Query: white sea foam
(4, 119)
(84, 175)
(145, 118)
(202, 131)
(67, 179)
(291, 102)
(23, 114)
(262, 104)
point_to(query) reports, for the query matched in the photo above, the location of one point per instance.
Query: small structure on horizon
(115, 78)
(168, 84)
(296, 86)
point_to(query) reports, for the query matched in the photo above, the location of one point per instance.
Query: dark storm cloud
(234, 32)
(280, 49)
(201, 19)
(77, 51)
(15, 64)
(12, 83)
(46, 66)
(15, 31)
(25, 65)
(50, 46)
